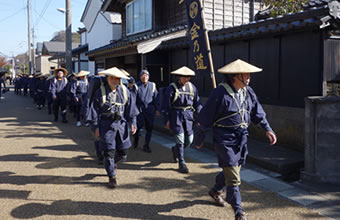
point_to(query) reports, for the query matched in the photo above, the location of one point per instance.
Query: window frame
(131, 24)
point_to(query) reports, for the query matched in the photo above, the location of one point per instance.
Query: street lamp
(62, 10)
(68, 38)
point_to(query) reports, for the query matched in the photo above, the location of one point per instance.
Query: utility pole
(68, 40)
(29, 38)
(13, 67)
(33, 58)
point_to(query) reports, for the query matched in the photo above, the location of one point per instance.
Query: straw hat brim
(125, 72)
(60, 69)
(239, 66)
(82, 73)
(114, 71)
(183, 71)
(50, 77)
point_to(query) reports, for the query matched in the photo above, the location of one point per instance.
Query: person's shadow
(119, 210)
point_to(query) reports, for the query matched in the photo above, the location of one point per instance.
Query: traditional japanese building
(298, 52)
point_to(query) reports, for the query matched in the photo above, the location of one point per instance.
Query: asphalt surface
(48, 170)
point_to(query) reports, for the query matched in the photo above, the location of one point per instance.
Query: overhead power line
(43, 12)
(12, 14)
(47, 20)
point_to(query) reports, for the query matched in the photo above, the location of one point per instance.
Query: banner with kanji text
(197, 39)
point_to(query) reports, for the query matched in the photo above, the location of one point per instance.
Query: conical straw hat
(114, 71)
(125, 72)
(82, 73)
(239, 66)
(60, 69)
(183, 71)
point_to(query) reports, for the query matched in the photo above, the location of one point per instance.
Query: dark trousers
(230, 177)
(59, 102)
(40, 99)
(148, 128)
(77, 109)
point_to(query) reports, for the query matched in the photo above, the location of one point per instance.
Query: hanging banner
(197, 37)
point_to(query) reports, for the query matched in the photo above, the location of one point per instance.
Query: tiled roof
(80, 49)
(316, 3)
(308, 19)
(56, 46)
(132, 41)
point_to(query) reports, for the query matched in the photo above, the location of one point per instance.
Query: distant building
(79, 55)
(102, 28)
(52, 56)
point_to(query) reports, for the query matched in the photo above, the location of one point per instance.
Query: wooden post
(211, 64)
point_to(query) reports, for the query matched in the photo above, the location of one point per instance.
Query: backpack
(86, 82)
(94, 85)
(178, 93)
(125, 94)
(241, 110)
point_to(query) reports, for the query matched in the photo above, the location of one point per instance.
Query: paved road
(48, 171)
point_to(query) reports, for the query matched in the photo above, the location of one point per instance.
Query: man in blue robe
(180, 103)
(147, 104)
(24, 83)
(2, 82)
(58, 90)
(229, 110)
(39, 90)
(79, 96)
(95, 82)
(116, 114)
(48, 94)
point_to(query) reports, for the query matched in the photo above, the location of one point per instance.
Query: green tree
(282, 7)
(61, 35)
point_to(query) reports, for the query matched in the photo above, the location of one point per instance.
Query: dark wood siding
(218, 59)
(169, 13)
(292, 66)
(124, 23)
(332, 60)
(264, 53)
(236, 50)
(300, 68)
(157, 65)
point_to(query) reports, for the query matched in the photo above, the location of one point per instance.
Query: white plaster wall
(83, 56)
(103, 32)
(83, 39)
(227, 13)
(91, 13)
(91, 66)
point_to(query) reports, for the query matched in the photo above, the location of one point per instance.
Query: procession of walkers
(117, 108)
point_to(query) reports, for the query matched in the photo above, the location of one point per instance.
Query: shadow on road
(119, 210)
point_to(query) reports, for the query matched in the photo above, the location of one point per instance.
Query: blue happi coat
(221, 111)
(2, 82)
(180, 112)
(109, 128)
(79, 90)
(40, 86)
(94, 83)
(58, 88)
(20, 82)
(147, 102)
(47, 91)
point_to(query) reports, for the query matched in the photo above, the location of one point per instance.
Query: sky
(45, 20)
